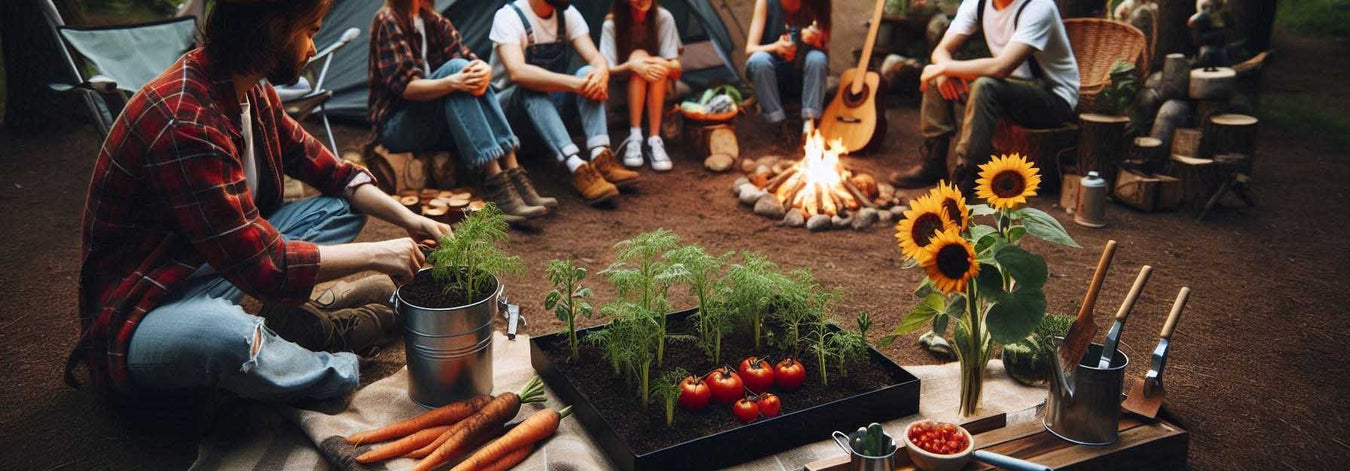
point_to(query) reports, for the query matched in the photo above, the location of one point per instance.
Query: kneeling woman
(644, 36)
(430, 92)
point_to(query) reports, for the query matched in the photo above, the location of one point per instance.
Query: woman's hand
(426, 230)
(470, 79)
(486, 69)
(398, 258)
(785, 48)
(653, 69)
(814, 36)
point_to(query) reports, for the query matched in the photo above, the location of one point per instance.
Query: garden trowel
(1146, 395)
(1084, 327)
(1113, 335)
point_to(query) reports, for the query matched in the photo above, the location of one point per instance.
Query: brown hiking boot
(499, 190)
(592, 186)
(525, 187)
(932, 166)
(359, 330)
(344, 294)
(607, 165)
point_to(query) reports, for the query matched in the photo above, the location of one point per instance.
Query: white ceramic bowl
(929, 461)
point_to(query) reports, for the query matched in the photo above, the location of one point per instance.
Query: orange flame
(817, 186)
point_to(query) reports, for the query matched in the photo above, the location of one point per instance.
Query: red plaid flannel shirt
(396, 57)
(168, 194)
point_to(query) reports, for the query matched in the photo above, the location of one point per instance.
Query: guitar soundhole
(854, 100)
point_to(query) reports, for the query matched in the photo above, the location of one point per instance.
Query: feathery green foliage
(468, 259)
(752, 287)
(568, 299)
(642, 275)
(667, 389)
(695, 267)
(634, 338)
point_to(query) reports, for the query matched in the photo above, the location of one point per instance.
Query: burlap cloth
(285, 438)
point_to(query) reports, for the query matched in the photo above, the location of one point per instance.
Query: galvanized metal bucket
(449, 350)
(1084, 405)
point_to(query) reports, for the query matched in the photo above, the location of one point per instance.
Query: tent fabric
(708, 43)
(132, 55)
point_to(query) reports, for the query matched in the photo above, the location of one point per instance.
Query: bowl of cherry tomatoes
(940, 446)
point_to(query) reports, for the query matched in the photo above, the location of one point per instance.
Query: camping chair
(301, 99)
(125, 57)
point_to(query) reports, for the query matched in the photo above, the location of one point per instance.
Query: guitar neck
(867, 46)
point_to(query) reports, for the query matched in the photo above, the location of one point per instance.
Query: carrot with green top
(539, 426)
(401, 446)
(488, 420)
(444, 415)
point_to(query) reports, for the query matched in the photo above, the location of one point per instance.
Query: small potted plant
(448, 311)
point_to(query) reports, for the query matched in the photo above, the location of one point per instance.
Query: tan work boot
(499, 190)
(344, 294)
(592, 186)
(526, 189)
(607, 165)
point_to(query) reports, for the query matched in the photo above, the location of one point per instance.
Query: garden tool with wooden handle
(1146, 395)
(1085, 328)
(1113, 335)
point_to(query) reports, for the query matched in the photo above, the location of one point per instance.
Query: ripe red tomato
(757, 374)
(789, 374)
(726, 385)
(745, 410)
(769, 406)
(694, 393)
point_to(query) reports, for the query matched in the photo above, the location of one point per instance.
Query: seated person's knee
(759, 61)
(451, 67)
(816, 60)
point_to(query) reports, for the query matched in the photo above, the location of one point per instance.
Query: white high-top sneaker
(660, 161)
(632, 152)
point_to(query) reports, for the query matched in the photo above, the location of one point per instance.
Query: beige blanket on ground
(279, 445)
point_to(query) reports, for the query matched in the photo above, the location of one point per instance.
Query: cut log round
(1219, 82)
(1149, 152)
(426, 195)
(1233, 134)
(1205, 109)
(1136, 190)
(411, 202)
(1186, 142)
(1199, 178)
(1176, 77)
(1170, 193)
(1101, 144)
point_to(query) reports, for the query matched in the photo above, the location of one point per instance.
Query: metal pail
(1084, 405)
(449, 350)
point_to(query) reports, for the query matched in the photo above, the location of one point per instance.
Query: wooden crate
(1143, 445)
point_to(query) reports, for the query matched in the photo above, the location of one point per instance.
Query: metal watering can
(1084, 405)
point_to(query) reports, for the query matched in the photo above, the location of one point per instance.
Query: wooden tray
(1143, 445)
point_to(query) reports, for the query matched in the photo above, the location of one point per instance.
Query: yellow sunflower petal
(953, 204)
(915, 231)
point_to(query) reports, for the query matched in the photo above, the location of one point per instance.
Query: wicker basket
(1097, 45)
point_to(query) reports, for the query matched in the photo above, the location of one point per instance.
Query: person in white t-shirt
(642, 46)
(533, 42)
(1031, 80)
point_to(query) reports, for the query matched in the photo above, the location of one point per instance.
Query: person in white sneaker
(644, 35)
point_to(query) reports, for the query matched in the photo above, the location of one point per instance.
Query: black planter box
(747, 442)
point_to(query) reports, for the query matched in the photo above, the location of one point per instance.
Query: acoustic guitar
(857, 117)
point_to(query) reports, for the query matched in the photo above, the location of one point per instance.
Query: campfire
(819, 187)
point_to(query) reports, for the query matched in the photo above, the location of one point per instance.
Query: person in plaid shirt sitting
(430, 92)
(185, 216)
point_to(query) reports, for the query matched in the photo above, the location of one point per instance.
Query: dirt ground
(1257, 371)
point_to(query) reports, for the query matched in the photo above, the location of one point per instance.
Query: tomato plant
(757, 374)
(789, 374)
(769, 405)
(725, 385)
(694, 393)
(745, 410)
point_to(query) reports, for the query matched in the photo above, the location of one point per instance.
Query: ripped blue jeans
(202, 339)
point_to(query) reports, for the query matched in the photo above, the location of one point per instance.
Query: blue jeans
(544, 111)
(773, 77)
(201, 338)
(472, 125)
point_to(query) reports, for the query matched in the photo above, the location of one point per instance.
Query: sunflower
(923, 218)
(953, 204)
(950, 261)
(1007, 181)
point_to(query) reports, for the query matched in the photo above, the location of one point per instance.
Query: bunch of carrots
(450, 431)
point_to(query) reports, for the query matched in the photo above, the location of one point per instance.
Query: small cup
(929, 461)
(861, 462)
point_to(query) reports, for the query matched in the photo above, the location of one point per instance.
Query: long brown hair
(247, 37)
(406, 9)
(622, 14)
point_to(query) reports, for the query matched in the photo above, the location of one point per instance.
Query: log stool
(1044, 147)
(1101, 144)
(399, 171)
(1234, 181)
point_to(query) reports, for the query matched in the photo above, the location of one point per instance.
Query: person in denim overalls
(530, 57)
(786, 53)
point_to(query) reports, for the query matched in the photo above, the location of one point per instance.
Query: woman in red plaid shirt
(430, 92)
(185, 216)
